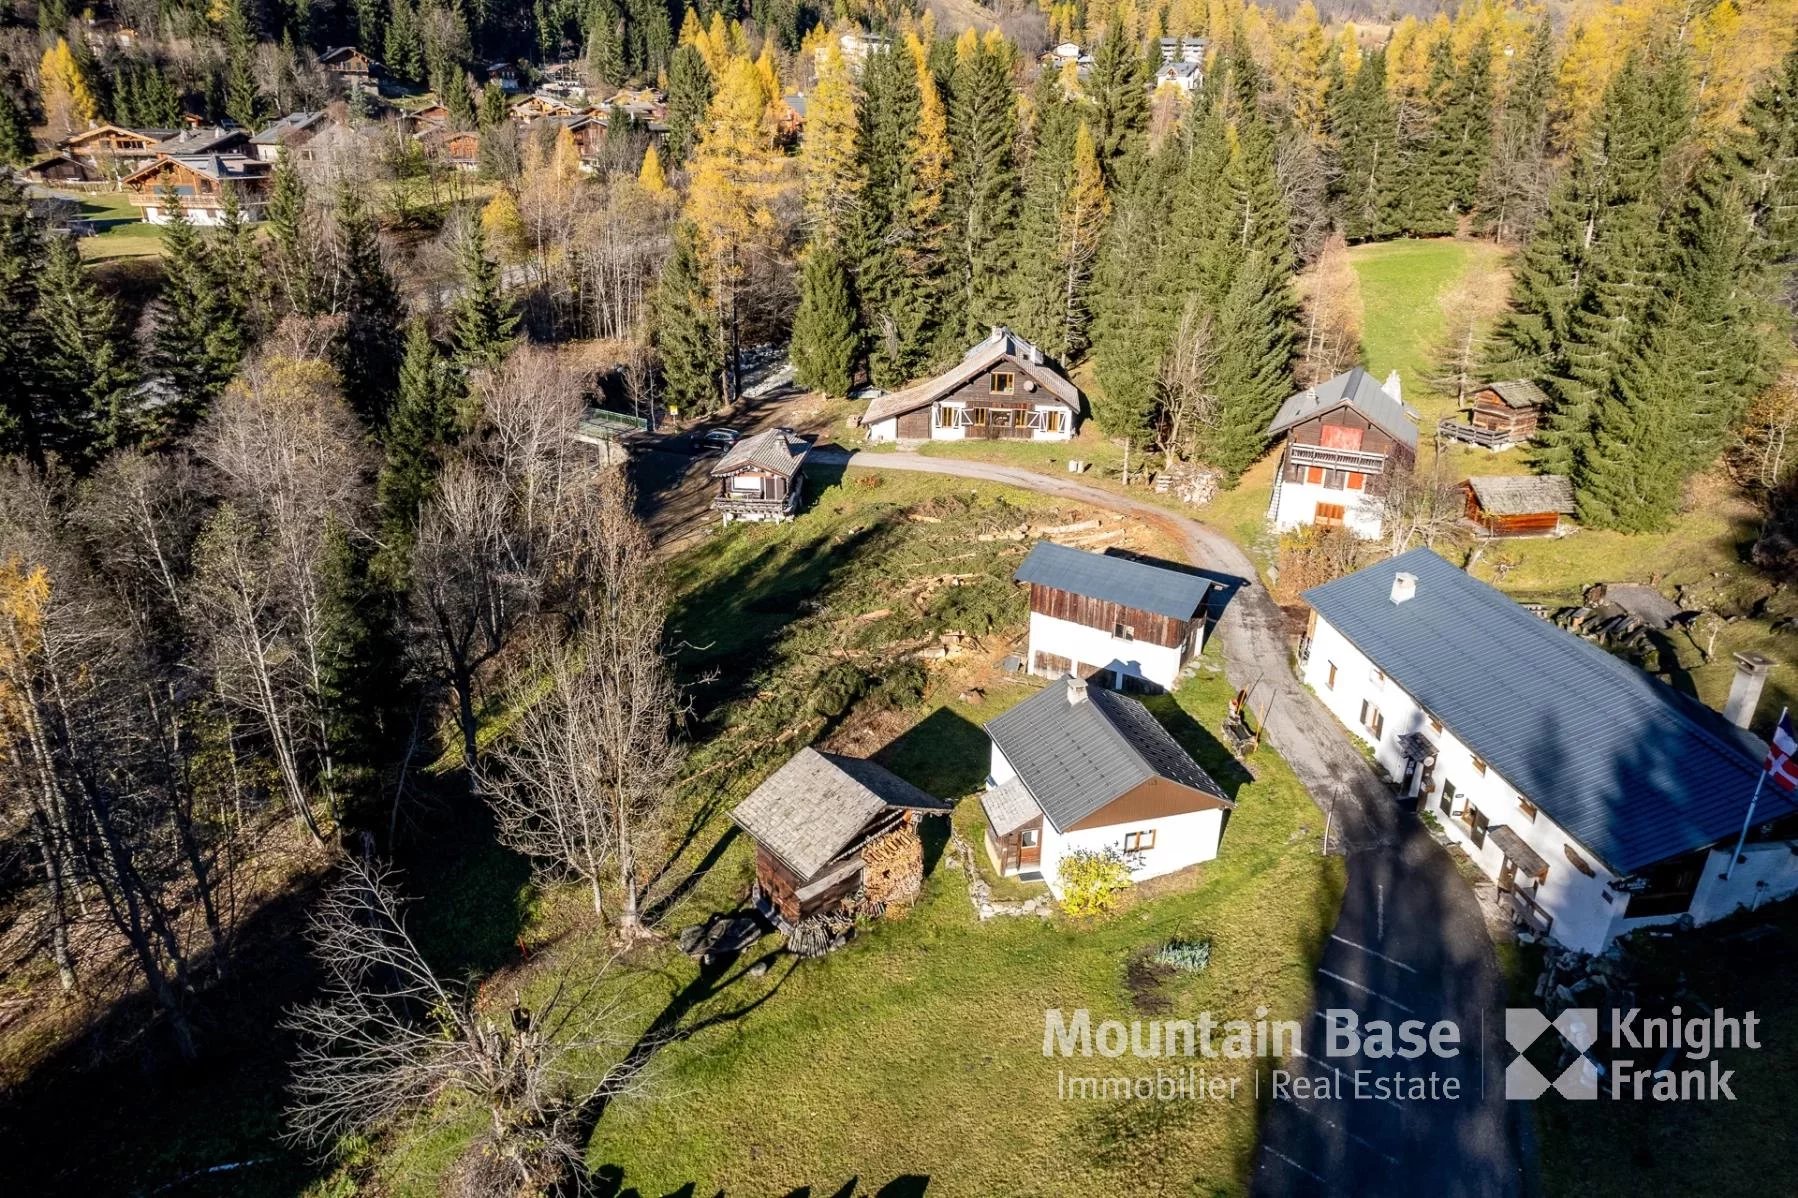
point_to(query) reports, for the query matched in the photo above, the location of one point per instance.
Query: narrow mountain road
(1409, 942)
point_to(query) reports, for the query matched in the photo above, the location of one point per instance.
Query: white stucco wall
(1295, 504)
(1159, 664)
(888, 429)
(1768, 872)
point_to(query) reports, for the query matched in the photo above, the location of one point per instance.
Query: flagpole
(1748, 819)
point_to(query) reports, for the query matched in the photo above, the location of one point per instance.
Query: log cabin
(1519, 505)
(1002, 389)
(1499, 415)
(1079, 769)
(199, 184)
(760, 478)
(1346, 438)
(810, 822)
(1597, 798)
(1111, 619)
(352, 67)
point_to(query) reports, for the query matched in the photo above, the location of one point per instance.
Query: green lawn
(917, 1050)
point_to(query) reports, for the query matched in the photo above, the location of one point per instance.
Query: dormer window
(1004, 382)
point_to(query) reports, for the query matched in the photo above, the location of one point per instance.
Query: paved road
(1409, 943)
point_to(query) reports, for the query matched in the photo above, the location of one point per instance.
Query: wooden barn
(760, 479)
(1524, 505)
(350, 65)
(1111, 619)
(1002, 389)
(816, 822)
(1499, 415)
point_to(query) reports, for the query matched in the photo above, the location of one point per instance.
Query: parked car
(716, 440)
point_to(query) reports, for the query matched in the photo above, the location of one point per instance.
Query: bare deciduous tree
(1185, 379)
(1469, 306)
(1331, 292)
(389, 1038)
(1422, 509)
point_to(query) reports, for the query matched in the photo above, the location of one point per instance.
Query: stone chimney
(1404, 586)
(1076, 691)
(1395, 388)
(1745, 688)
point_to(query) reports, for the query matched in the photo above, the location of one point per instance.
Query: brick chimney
(1745, 688)
(1076, 691)
(1404, 586)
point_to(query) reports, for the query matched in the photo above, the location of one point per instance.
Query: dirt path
(1410, 941)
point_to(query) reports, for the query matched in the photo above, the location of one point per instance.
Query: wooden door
(1507, 876)
(1030, 847)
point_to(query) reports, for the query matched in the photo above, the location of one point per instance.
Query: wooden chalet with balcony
(199, 184)
(1346, 438)
(814, 823)
(760, 478)
(352, 67)
(1002, 389)
(113, 150)
(1499, 416)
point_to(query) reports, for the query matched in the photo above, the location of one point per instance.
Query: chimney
(1404, 586)
(1076, 691)
(1745, 688)
(1394, 388)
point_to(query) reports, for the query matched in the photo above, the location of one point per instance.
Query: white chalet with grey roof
(1079, 768)
(1002, 389)
(1346, 439)
(1111, 619)
(1599, 799)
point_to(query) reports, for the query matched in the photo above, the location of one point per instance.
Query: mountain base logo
(1668, 1038)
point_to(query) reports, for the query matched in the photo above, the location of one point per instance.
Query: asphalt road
(1409, 944)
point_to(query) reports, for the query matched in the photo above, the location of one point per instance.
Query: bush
(1188, 956)
(1091, 880)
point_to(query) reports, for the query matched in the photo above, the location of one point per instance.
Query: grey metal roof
(812, 808)
(293, 122)
(1075, 757)
(1114, 579)
(776, 451)
(1629, 767)
(1008, 807)
(1001, 345)
(1523, 494)
(1518, 393)
(1357, 389)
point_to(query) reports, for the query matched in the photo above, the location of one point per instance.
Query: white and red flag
(1782, 753)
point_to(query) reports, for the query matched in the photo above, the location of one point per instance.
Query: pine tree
(1361, 126)
(243, 103)
(402, 48)
(689, 98)
(293, 259)
(368, 352)
(1130, 302)
(421, 422)
(685, 333)
(982, 202)
(829, 157)
(15, 131)
(200, 335)
(359, 668)
(21, 266)
(493, 110)
(1119, 89)
(1628, 477)
(483, 323)
(1513, 189)
(1040, 314)
(889, 118)
(606, 44)
(825, 344)
(85, 363)
(1766, 158)
(1454, 153)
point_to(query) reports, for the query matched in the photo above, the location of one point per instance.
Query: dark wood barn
(811, 822)
(760, 478)
(1499, 415)
(1527, 505)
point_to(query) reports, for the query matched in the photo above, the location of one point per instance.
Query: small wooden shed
(1500, 415)
(760, 479)
(811, 822)
(1526, 505)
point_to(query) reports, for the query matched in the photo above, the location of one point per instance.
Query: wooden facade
(1519, 524)
(1157, 798)
(200, 192)
(792, 898)
(1110, 617)
(1343, 450)
(752, 491)
(999, 405)
(1491, 413)
(1011, 854)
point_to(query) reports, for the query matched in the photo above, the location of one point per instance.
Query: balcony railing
(1360, 461)
(1530, 913)
(749, 503)
(1486, 438)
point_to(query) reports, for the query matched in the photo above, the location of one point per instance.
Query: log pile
(893, 870)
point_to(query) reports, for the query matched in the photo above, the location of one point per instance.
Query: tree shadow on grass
(1229, 773)
(909, 1185)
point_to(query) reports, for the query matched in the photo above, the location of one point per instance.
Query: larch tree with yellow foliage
(830, 154)
(69, 103)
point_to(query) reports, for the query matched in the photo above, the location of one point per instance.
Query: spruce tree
(1361, 127)
(402, 46)
(85, 361)
(293, 259)
(1131, 303)
(982, 202)
(368, 351)
(889, 117)
(200, 335)
(1766, 159)
(1454, 152)
(825, 344)
(483, 322)
(15, 131)
(1040, 314)
(421, 422)
(686, 336)
(243, 103)
(1118, 87)
(21, 266)
(1629, 476)
(1513, 189)
(689, 95)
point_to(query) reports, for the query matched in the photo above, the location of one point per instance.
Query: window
(1371, 719)
(973, 416)
(1314, 475)
(1479, 767)
(1476, 825)
(1032, 419)
(1448, 798)
(1527, 808)
(1328, 515)
(1028, 838)
(948, 417)
(746, 483)
(1123, 632)
(1054, 422)
(1357, 481)
(1001, 418)
(1330, 681)
(1004, 382)
(1139, 842)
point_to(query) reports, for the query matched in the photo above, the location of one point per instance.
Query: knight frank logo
(1578, 1026)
